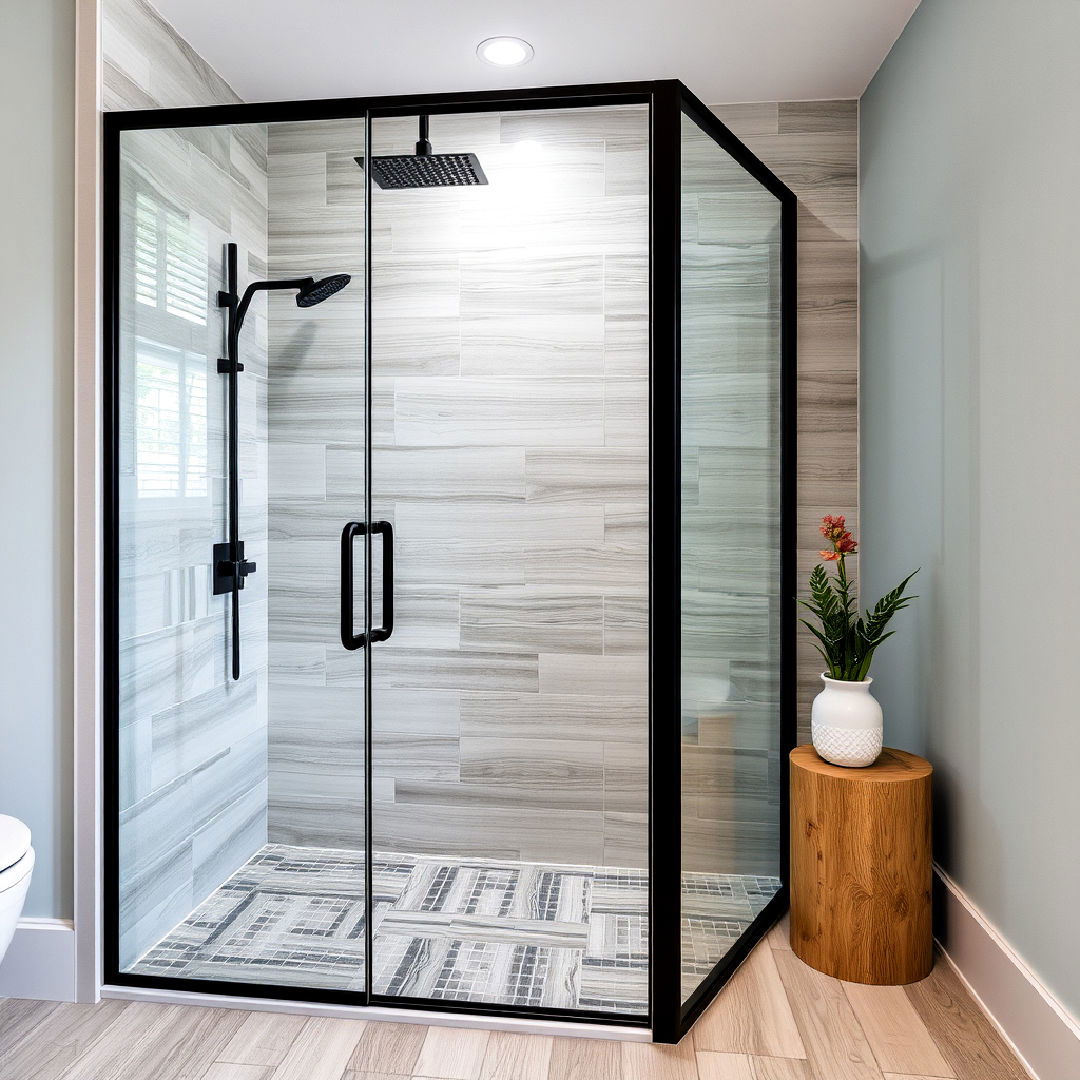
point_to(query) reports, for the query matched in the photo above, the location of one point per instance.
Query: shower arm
(423, 147)
(298, 284)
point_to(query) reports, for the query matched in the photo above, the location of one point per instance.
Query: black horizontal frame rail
(668, 101)
(322, 995)
(273, 112)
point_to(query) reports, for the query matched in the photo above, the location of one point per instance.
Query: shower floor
(508, 933)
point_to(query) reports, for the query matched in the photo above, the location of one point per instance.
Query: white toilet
(16, 865)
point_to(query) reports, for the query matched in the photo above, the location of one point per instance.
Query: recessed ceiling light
(504, 51)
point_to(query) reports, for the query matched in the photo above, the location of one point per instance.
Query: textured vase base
(851, 747)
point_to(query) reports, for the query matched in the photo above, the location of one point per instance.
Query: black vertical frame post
(672, 1017)
(367, 359)
(789, 503)
(665, 551)
(233, 375)
(110, 569)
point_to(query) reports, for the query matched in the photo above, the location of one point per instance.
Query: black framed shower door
(671, 1007)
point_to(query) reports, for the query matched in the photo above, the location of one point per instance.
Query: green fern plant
(847, 640)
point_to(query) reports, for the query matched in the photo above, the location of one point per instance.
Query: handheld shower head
(317, 291)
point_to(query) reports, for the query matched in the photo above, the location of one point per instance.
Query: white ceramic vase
(846, 723)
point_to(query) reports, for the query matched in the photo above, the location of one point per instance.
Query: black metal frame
(669, 1017)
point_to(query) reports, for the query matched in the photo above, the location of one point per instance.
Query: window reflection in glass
(170, 422)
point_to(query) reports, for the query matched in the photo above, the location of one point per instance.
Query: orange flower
(834, 527)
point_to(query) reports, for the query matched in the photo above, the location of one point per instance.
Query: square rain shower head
(425, 170)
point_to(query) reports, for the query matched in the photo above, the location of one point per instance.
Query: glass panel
(510, 361)
(730, 520)
(241, 829)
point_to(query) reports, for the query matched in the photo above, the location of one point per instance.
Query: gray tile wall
(730, 306)
(813, 147)
(510, 427)
(193, 743)
(459, 395)
(316, 484)
(730, 762)
(146, 64)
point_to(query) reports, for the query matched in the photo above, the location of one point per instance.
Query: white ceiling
(724, 50)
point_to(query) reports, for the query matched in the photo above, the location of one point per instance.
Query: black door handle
(349, 639)
(381, 633)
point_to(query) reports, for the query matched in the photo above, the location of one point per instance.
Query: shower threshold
(455, 929)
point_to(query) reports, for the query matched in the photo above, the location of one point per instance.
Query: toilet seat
(14, 841)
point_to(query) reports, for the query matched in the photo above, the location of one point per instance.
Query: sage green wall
(970, 384)
(37, 110)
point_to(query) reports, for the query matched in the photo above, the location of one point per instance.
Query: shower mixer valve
(230, 566)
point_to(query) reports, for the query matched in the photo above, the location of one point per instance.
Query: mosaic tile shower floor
(521, 934)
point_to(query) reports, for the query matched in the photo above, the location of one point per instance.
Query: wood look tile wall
(813, 147)
(193, 743)
(730, 518)
(146, 64)
(510, 452)
(317, 431)
(482, 510)
(480, 707)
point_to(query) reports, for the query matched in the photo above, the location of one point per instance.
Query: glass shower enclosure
(449, 561)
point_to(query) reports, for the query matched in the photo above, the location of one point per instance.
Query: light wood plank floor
(776, 1020)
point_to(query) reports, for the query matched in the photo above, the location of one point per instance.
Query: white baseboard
(40, 962)
(1038, 1028)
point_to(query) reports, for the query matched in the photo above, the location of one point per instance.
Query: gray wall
(970, 274)
(37, 53)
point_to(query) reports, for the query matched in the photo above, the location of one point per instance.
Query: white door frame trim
(87, 621)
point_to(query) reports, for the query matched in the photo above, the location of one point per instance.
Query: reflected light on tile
(528, 150)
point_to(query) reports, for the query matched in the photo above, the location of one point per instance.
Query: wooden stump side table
(860, 867)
